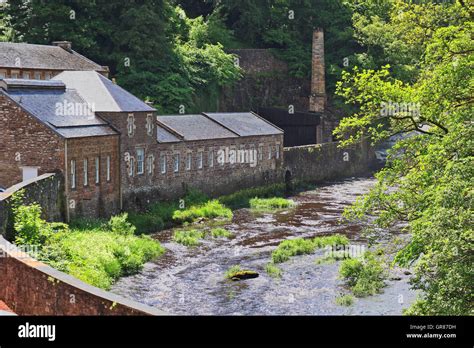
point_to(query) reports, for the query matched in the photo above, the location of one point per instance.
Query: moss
(345, 300)
(273, 270)
(269, 204)
(237, 273)
(220, 232)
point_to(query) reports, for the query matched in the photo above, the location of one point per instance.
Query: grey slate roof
(164, 136)
(196, 127)
(244, 123)
(61, 109)
(101, 92)
(43, 57)
(22, 83)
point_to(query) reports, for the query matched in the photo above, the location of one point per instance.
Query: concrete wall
(42, 290)
(46, 190)
(322, 162)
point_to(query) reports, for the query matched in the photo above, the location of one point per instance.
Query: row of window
(85, 171)
(137, 165)
(37, 75)
(131, 125)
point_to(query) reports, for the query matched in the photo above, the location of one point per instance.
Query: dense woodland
(377, 52)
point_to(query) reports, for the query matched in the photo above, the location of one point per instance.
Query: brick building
(48, 128)
(42, 62)
(162, 156)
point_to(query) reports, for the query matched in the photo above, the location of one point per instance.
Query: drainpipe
(66, 182)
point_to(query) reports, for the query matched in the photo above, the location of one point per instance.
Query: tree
(427, 184)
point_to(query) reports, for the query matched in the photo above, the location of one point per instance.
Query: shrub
(365, 276)
(119, 224)
(146, 223)
(220, 232)
(209, 210)
(241, 199)
(345, 300)
(189, 237)
(29, 227)
(272, 270)
(270, 203)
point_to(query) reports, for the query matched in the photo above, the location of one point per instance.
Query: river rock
(244, 275)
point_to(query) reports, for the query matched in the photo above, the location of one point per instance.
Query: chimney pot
(65, 45)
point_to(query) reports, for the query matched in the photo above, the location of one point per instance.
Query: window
(163, 164)
(29, 173)
(150, 163)
(130, 125)
(3, 74)
(140, 161)
(47, 76)
(131, 166)
(199, 159)
(149, 124)
(37, 75)
(277, 151)
(211, 158)
(176, 163)
(26, 75)
(73, 174)
(86, 176)
(97, 171)
(189, 160)
(260, 153)
(15, 74)
(108, 168)
(270, 152)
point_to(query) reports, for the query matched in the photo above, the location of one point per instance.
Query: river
(191, 280)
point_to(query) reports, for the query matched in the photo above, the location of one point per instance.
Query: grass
(269, 204)
(364, 276)
(272, 270)
(209, 210)
(299, 246)
(220, 232)
(345, 300)
(241, 199)
(188, 237)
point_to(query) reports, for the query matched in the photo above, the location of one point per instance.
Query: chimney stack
(317, 100)
(65, 45)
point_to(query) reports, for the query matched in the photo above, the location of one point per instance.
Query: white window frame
(73, 174)
(15, 74)
(108, 168)
(200, 159)
(210, 158)
(277, 151)
(131, 166)
(163, 164)
(97, 170)
(140, 160)
(260, 153)
(47, 76)
(3, 74)
(150, 163)
(26, 75)
(270, 150)
(37, 75)
(85, 163)
(189, 160)
(149, 124)
(130, 125)
(176, 160)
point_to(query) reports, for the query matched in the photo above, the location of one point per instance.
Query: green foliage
(146, 223)
(241, 198)
(93, 251)
(188, 237)
(220, 232)
(300, 246)
(268, 204)
(364, 276)
(209, 210)
(427, 184)
(119, 224)
(273, 270)
(236, 272)
(345, 300)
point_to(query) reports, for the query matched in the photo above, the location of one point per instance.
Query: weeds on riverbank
(270, 204)
(300, 246)
(189, 237)
(220, 233)
(365, 276)
(209, 210)
(96, 252)
(273, 270)
(345, 300)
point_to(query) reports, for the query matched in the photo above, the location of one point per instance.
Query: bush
(146, 223)
(270, 203)
(365, 276)
(272, 270)
(241, 199)
(119, 224)
(220, 232)
(29, 227)
(345, 300)
(209, 210)
(189, 237)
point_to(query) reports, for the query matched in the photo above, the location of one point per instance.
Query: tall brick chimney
(317, 100)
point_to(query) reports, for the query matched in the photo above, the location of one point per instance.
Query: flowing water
(191, 280)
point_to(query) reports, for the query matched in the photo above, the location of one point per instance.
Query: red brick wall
(24, 141)
(102, 199)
